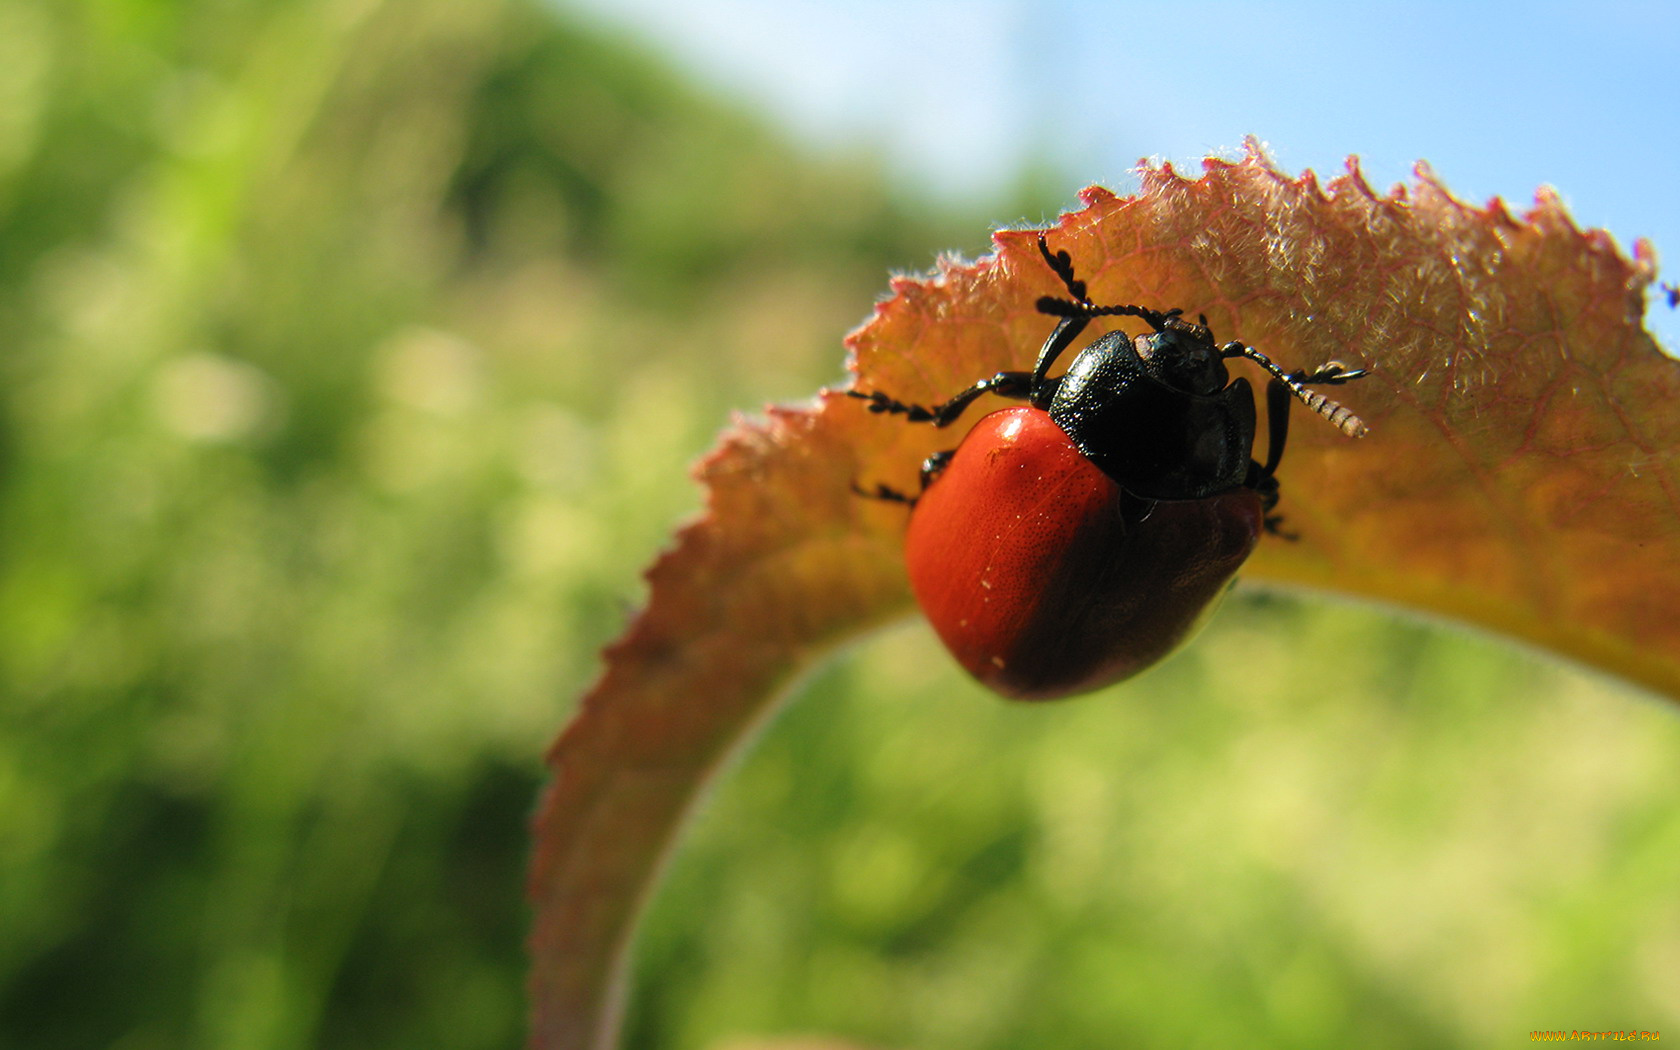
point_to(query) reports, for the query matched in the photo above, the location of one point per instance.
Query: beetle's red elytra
(1074, 541)
(1023, 559)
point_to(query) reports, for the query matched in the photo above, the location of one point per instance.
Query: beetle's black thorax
(1157, 414)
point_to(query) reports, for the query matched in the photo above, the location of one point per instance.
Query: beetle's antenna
(1049, 304)
(1332, 373)
(1061, 264)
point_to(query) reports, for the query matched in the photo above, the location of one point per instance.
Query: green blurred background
(353, 354)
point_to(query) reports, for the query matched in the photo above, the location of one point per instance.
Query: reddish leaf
(1520, 475)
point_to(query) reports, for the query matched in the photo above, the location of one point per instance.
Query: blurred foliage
(353, 354)
(1314, 828)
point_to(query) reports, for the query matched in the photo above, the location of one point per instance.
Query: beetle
(1073, 541)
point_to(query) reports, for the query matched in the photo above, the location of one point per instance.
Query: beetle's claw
(1330, 373)
(884, 494)
(1273, 524)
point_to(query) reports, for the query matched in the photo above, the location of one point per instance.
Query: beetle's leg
(879, 402)
(1134, 509)
(1267, 488)
(885, 494)
(1004, 384)
(935, 465)
(1262, 477)
(932, 467)
(1277, 431)
(1066, 331)
(1273, 524)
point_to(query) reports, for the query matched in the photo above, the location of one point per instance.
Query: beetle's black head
(1183, 356)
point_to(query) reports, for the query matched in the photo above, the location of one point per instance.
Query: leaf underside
(1520, 475)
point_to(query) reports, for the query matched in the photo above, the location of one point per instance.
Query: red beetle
(1076, 540)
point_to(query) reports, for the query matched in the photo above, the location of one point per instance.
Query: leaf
(1520, 475)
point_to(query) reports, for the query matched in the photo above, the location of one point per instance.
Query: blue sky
(1499, 98)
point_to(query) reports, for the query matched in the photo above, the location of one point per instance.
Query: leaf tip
(1256, 152)
(1499, 212)
(1645, 258)
(1550, 207)
(1352, 181)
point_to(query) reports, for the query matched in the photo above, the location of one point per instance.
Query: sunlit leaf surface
(1520, 475)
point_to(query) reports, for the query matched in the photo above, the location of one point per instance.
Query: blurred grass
(1314, 828)
(353, 353)
(354, 356)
